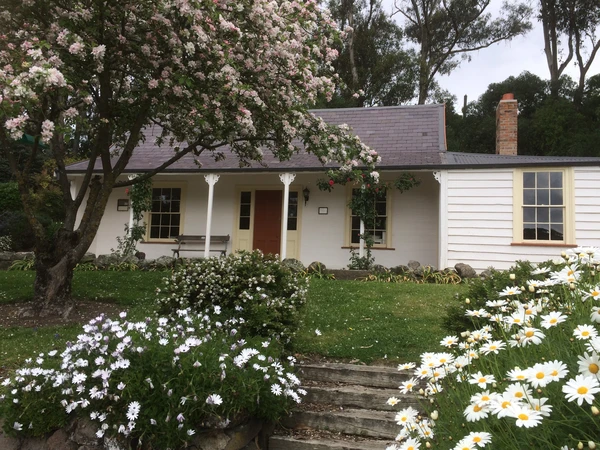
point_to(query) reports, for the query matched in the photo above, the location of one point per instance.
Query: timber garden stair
(345, 409)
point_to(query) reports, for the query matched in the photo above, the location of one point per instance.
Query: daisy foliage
(525, 373)
(160, 380)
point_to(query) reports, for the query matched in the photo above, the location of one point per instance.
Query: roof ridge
(372, 108)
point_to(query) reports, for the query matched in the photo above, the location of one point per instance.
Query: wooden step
(361, 397)
(374, 376)
(357, 422)
(292, 443)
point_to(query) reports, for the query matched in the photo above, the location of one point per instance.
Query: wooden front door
(267, 221)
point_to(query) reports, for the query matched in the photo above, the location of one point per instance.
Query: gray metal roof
(406, 138)
(485, 160)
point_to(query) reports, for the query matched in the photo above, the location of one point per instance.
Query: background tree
(209, 73)
(570, 30)
(548, 126)
(445, 31)
(374, 67)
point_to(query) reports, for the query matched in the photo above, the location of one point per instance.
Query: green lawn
(365, 321)
(372, 321)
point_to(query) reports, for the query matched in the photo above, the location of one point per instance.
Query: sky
(500, 61)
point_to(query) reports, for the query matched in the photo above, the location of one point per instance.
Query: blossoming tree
(210, 73)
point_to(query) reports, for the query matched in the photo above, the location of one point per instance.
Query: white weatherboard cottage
(480, 209)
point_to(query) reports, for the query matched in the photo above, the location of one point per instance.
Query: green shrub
(10, 199)
(482, 290)
(23, 264)
(158, 381)
(259, 289)
(6, 244)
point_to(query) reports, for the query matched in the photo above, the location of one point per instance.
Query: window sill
(169, 242)
(541, 244)
(372, 248)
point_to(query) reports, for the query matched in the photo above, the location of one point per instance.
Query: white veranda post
(131, 224)
(211, 179)
(286, 179)
(361, 244)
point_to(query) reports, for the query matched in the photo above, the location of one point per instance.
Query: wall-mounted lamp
(306, 194)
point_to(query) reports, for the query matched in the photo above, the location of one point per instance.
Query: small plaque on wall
(323, 210)
(123, 204)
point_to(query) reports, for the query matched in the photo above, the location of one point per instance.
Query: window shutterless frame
(543, 206)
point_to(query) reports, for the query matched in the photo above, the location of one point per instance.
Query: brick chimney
(506, 126)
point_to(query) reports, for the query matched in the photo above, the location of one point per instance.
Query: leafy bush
(255, 287)
(10, 199)
(527, 377)
(6, 244)
(483, 289)
(23, 264)
(157, 381)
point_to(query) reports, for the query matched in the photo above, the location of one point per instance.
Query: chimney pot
(508, 96)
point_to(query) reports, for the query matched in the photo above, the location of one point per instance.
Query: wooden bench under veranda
(193, 243)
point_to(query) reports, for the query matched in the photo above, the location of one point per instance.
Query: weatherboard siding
(479, 215)
(587, 206)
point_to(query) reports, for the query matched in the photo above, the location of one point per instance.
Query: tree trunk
(52, 287)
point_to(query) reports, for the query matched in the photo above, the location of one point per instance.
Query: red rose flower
(331, 182)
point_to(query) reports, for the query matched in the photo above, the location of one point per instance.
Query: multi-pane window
(543, 206)
(165, 216)
(292, 222)
(245, 206)
(377, 229)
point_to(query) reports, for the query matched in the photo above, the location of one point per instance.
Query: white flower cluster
(520, 317)
(102, 376)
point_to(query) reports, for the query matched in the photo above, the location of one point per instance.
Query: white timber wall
(587, 206)
(480, 210)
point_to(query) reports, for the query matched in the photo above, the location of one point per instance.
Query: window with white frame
(544, 214)
(164, 221)
(380, 226)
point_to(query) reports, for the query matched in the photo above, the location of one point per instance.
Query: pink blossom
(76, 48)
(47, 130)
(98, 52)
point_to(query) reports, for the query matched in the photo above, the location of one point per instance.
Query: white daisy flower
(581, 389)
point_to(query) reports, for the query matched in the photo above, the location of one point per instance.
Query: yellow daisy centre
(593, 368)
(554, 373)
(477, 408)
(528, 311)
(585, 333)
(518, 394)
(410, 448)
(482, 380)
(505, 404)
(476, 439)
(570, 272)
(529, 333)
(523, 416)
(553, 320)
(517, 320)
(582, 390)
(539, 375)
(485, 398)
(595, 293)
